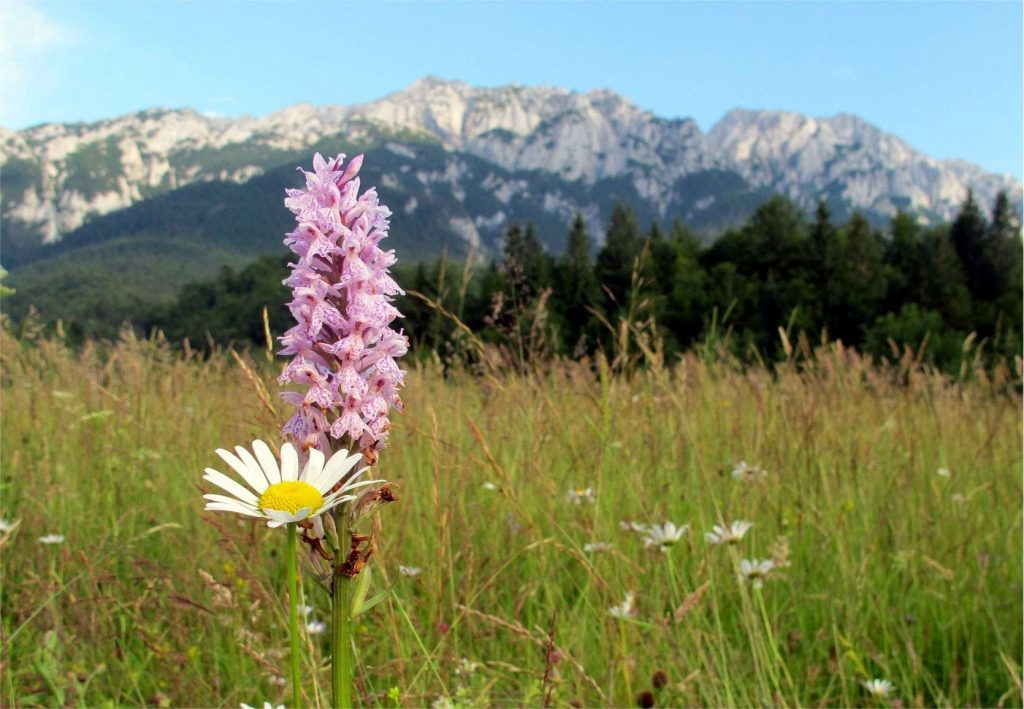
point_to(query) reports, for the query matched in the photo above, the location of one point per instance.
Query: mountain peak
(56, 177)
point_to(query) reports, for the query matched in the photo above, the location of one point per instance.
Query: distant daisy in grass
(409, 570)
(6, 527)
(729, 534)
(943, 472)
(304, 610)
(626, 609)
(630, 526)
(266, 705)
(748, 473)
(579, 495)
(664, 536)
(755, 571)
(316, 627)
(281, 495)
(597, 547)
(52, 539)
(489, 486)
(879, 688)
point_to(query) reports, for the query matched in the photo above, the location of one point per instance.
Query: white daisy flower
(755, 571)
(664, 536)
(943, 472)
(489, 486)
(747, 472)
(315, 627)
(283, 495)
(629, 526)
(6, 526)
(266, 705)
(467, 667)
(879, 688)
(409, 570)
(580, 495)
(52, 539)
(278, 680)
(597, 547)
(730, 534)
(304, 610)
(625, 609)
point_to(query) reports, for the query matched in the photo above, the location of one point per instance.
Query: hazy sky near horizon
(944, 76)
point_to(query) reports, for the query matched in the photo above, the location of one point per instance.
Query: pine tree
(577, 290)
(618, 257)
(859, 283)
(822, 245)
(969, 237)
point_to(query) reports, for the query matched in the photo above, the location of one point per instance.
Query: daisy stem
(341, 640)
(293, 611)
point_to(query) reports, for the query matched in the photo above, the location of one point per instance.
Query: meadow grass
(893, 570)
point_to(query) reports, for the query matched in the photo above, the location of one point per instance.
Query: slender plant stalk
(293, 612)
(341, 653)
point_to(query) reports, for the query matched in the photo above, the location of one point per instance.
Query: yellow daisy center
(291, 496)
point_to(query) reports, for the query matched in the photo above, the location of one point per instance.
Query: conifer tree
(577, 286)
(968, 234)
(618, 256)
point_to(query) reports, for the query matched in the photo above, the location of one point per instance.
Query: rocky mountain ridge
(54, 178)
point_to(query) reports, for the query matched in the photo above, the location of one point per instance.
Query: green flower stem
(293, 611)
(341, 637)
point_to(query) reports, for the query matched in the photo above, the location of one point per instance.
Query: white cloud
(27, 37)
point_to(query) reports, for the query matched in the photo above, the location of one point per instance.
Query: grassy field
(885, 568)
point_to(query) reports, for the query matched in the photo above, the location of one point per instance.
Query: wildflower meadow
(873, 559)
(375, 528)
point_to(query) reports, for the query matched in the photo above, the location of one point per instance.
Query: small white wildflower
(409, 570)
(467, 667)
(304, 610)
(266, 705)
(628, 526)
(730, 534)
(580, 495)
(52, 539)
(315, 627)
(943, 472)
(664, 536)
(625, 609)
(748, 473)
(879, 688)
(489, 486)
(597, 547)
(278, 680)
(6, 526)
(755, 571)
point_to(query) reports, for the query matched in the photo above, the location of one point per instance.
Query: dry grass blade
(261, 391)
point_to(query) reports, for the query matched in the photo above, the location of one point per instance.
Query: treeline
(878, 290)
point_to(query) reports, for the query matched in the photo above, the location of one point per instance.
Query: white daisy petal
(314, 467)
(279, 516)
(339, 464)
(268, 463)
(229, 501)
(254, 478)
(249, 460)
(225, 483)
(289, 462)
(222, 507)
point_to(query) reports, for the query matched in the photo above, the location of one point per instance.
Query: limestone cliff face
(53, 178)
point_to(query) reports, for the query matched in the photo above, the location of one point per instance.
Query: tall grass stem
(293, 612)
(341, 643)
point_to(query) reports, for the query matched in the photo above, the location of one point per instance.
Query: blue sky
(945, 76)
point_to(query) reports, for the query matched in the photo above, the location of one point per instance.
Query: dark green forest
(780, 277)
